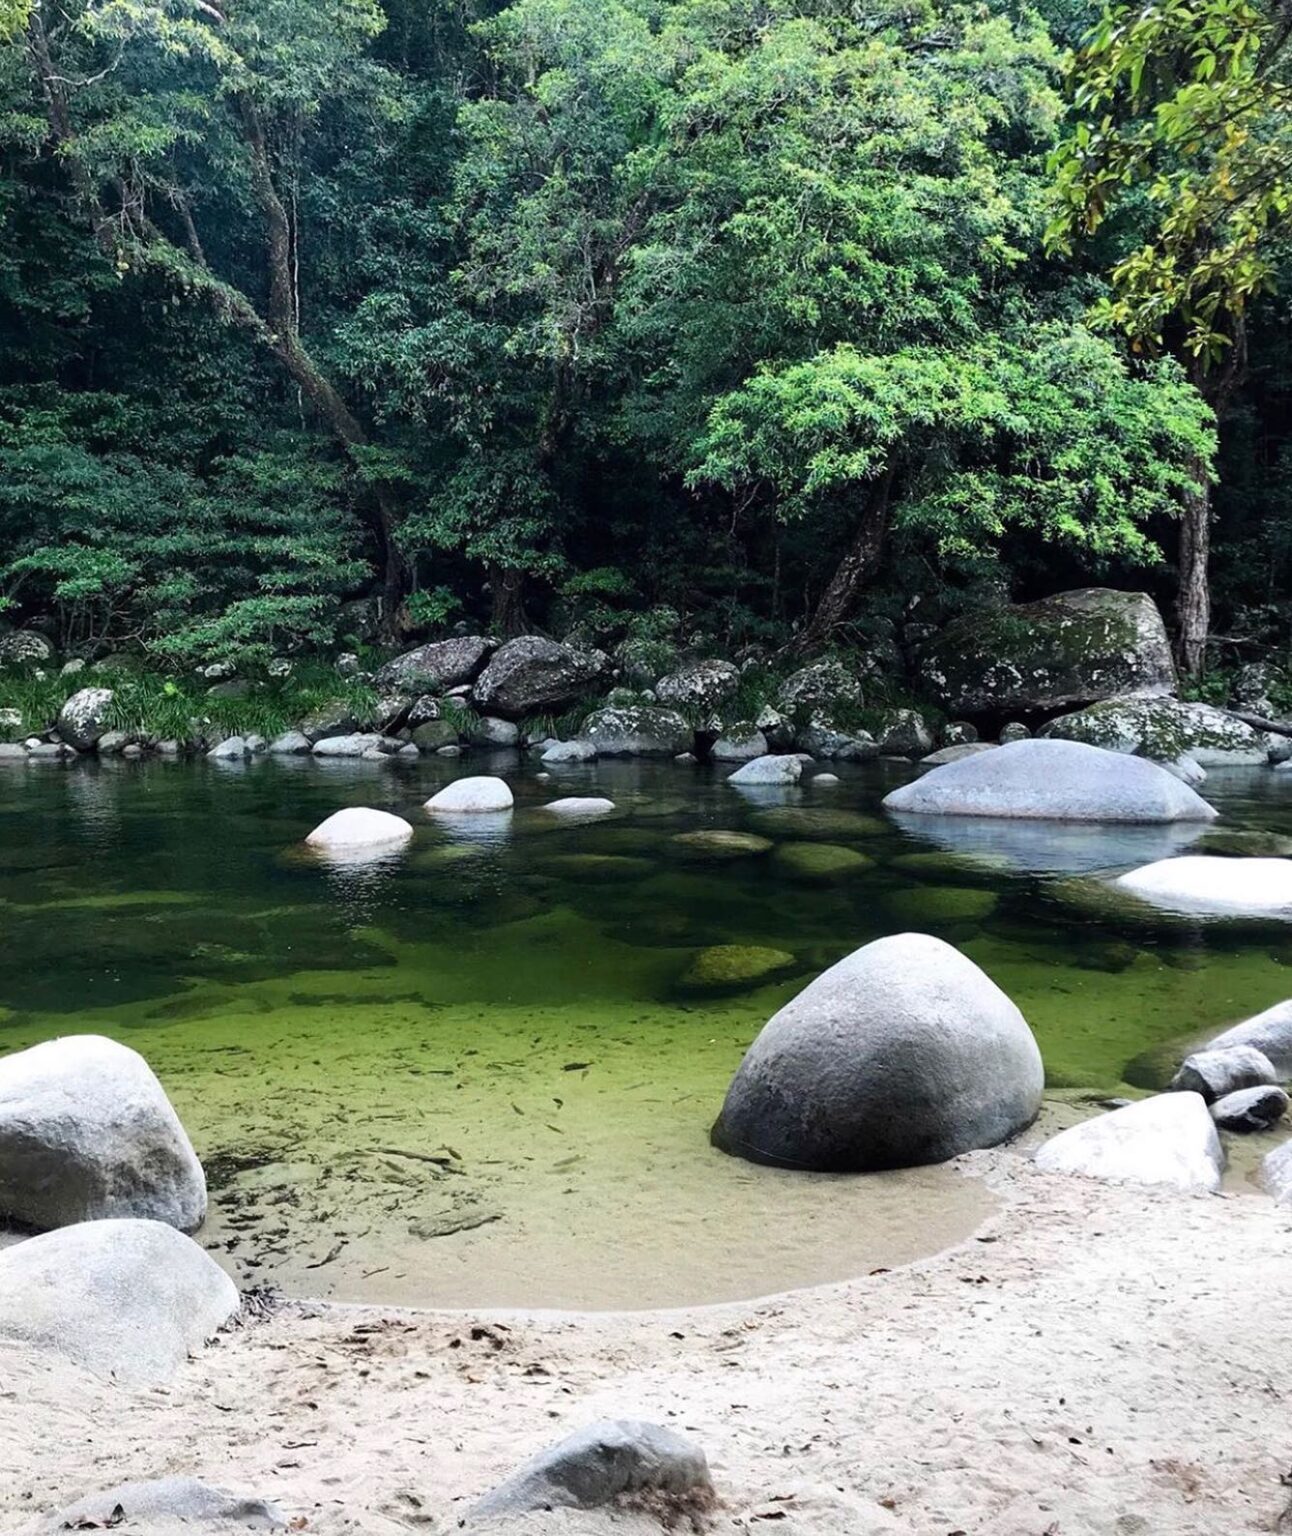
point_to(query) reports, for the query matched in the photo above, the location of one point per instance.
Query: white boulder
(166, 1505)
(576, 751)
(771, 769)
(1206, 884)
(1270, 1032)
(580, 805)
(1213, 1074)
(87, 1132)
(472, 796)
(125, 1299)
(1052, 780)
(357, 827)
(1169, 1141)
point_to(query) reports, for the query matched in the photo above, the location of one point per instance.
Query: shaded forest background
(325, 322)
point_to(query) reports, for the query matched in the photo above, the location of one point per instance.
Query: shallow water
(470, 1074)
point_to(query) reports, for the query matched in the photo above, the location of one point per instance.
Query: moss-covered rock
(934, 906)
(817, 822)
(1163, 730)
(1245, 843)
(599, 867)
(1072, 648)
(733, 968)
(718, 846)
(819, 863)
(953, 868)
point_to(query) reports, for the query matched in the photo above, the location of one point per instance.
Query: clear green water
(471, 1075)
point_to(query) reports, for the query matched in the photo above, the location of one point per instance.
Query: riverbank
(1094, 1361)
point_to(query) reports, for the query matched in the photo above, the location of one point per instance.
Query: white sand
(1095, 1362)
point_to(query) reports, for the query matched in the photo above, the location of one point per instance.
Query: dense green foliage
(323, 322)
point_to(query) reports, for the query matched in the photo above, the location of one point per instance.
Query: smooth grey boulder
(87, 1132)
(53, 751)
(1214, 1074)
(901, 1054)
(1276, 1173)
(596, 1466)
(1221, 887)
(1270, 1032)
(489, 731)
(431, 735)
(575, 806)
(638, 730)
(359, 827)
(233, 749)
(1188, 770)
(1071, 648)
(576, 751)
(739, 744)
(1169, 1142)
(114, 743)
(163, 1505)
(1250, 1109)
(532, 673)
(128, 1299)
(441, 664)
(84, 717)
(290, 744)
(1052, 780)
(355, 745)
(1165, 730)
(703, 685)
(785, 769)
(903, 733)
(478, 794)
(335, 719)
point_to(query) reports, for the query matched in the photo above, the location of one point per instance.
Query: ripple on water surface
(478, 1073)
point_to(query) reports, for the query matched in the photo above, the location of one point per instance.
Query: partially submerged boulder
(734, 968)
(1164, 730)
(357, 827)
(439, 665)
(86, 1133)
(166, 1505)
(786, 769)
(638, 730)
(1214, 1074)
(819, 863)
(290, 744)
(128, 1299)
(357, 744)
(532, 673)
(1167, 1142)
(84, 717)
(577, 751)
(599, 1465)
(476, 795)
(1216, 886)
(720, 845)
(902, 1054)
(1054, 780)
(575, 807)
(1072, 648)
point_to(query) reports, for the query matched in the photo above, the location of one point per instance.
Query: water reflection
(1053, 847)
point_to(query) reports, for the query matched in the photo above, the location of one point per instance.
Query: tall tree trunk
(1193, 596)
(507, 586)
(861, 560)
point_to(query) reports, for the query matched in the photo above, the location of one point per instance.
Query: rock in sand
(1169, 1142)
(166, 1505)
(1214, 1074)
(1250, 1109)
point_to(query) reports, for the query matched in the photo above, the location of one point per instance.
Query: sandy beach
(1094, 1361)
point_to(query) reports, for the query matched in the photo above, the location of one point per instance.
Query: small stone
(1214, 1074)
(231, 749)
(1250, 1109)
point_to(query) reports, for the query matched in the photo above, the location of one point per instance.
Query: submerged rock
(938, 906)
(819, 863)
(734, 967)
(165, 1504)
(638, 730)
(719, 845)
(86, 1133)
(472, 796)
(532, 673)
(1169, 1141)
(84, 717)
(600, 1464)
(1214, 1074)
(1059, 780)
(1164, 730)
(1072, 648)
(1250, 1109)
(357, 827)
(125, 1299)
(768, 770)
(902, 1054)
(1216, 886)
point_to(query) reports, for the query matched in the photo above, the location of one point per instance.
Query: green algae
(717, 846)
(817, 822)
(938, 906)
(733, 968)
(821, 863)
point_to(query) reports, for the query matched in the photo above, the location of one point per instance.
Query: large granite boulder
(638, 730)
(24, 648)
(769, 769)
(1270, 1032)
(601, 1464)
(357, 828)
(703, 685)
(87, 1132)
(1165, 730)
(478, 795)
(84, 717)
(439, 665)
(167, 1506)
(531, 674)
(1072, 648)
(125, 1299)
(1052, 780)
(1200, 883)
(1169, 1142)
(904, 1053)
(739, 743)
(820, 686)
(903, 733)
